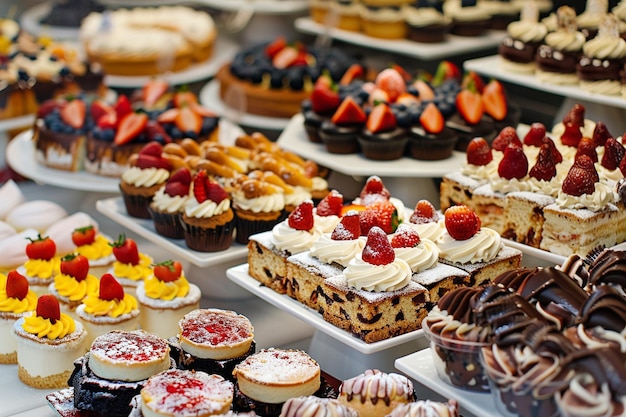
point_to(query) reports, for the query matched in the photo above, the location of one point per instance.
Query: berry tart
(16, 301)
(73, 283)
(340, 133)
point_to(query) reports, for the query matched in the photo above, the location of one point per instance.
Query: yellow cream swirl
(112, 308)
(69, 287)
(134, 272)
(15, 305)
(155, 288)
(100, 248)
(41, 268)
(45, 328)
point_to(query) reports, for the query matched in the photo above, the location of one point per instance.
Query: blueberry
(68, 129)
(97, 132)
(209, 124)
(191, 134)
(403, 118)
(276, 80)
(108, 135)
(175, 132)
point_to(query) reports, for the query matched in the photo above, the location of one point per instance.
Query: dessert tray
(294, 139)
(420, 366)
(114, 209)
(455, 45)
(210, 97)
(239, 275)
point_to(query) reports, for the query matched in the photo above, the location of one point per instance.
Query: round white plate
(259, 6)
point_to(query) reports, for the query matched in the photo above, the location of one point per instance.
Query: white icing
(482, 247)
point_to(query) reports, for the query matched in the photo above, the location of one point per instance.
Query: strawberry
(76, 266)
(613, 154)
(73, 113)
(110, 288)
(168, 116)
(404, 73)
(575, 115)
(349, 112)
(17, 285)
(131, 125)
(285, 58)
(407, 99)
(151, 148)
(424, 212)
(382, 214)
(469, 104)
(108, 121)
(154, 131)
(301, 218)
(377, 250)
(153, 90)
(478, 152)
(99, 109)
(425, 91)
(275, 46)
(374, 190)
(183, 98)
(376, 96)
(41, 248)
(431, 119)
(545, 167)
(168, 271)
(349, 228)
(84, 235)
(324, 97)
(581, 177)
(494, 100)
(473, 81)
(505, 137)
(391, 81)
(199, 187)
(571, 135)
(48, 308)
(188, 121)
(149, 161)
(587, 147)
(405, 237)
(353, 72)
(600, 134)
(461, 222)
(535, 135)
(381, 119)
(125, 250)
(351, 207)
(330, 205)
(446, 70)
(215, 192)
(514, 164)
(122, 106)
(182, 175)
(202, 111)
(178, 183)
(556, 154)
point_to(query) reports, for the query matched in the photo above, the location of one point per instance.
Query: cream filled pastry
(130, 266)
(73, 282)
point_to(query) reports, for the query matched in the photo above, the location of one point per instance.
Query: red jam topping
(135, 346)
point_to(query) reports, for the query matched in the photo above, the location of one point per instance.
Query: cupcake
(502, 12)
(130, 266)
(73, 283)
(95, 247)
(340, 133)
(383, 19)
(468, 19)
(168, 202)
(432, 140)
(426, 21)
(165, 297)
(108, 308)
(42, 264)
(208, 220)
(347, 14)
(16, 301)
(382, 139)
(519, 47)
(48, 342)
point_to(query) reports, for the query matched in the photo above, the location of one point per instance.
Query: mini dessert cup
(457, 361)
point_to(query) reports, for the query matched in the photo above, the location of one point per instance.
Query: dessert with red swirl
(213, 341)
(115, 369)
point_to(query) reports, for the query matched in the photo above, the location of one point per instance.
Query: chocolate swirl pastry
(608, 268)
(605, 308)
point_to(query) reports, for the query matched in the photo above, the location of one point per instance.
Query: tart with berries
(187, 118)
(272, 79)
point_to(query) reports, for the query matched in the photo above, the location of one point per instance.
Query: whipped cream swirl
(206, 209)
(482, 247)
(598, 200)
(563, 40)
(165, 203)
(421, 257)
(147, 177)
(379, 278)
(329, 250)
(286, 238)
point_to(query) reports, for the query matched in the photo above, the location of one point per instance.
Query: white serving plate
(30, 20)
(454, 45)
(210, 97)
(114, 209)
(259, 6)
(21, 157)
(17, 122)
(239, 275)
(420, 367)
(549, 258)
(294, 139)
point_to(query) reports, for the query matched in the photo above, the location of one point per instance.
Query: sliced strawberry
(122, 106)
(100, 108)
(324, 97)
(478, 152)
(507, 136)
(575, 115)
(156, 132)
(168, 116)
(374, 190)
(382, 214)
(130, 127)
(349, 112)
(425, 91)
(48, 107)
(461, 222)
(184, 98)
(545, 167)
(349, 228)
(153, 90)
(355, 71)
(108, 121)
(168, 271)
(41, 248)
(600, 134)
(571, 135)
(76, 266)
(301, 218)
(424, 212)
(199, 187)
(514, 164)
(470, 106)
(330, 205)
(391, 81)
(432, 120)
(125, 250)
(150, 161)
(276, 46)
(73, 113)
(405, 237)
(446, 70)
(558, 158)
(182, 175)
(381, 119)
(581, 177)
(17, 285)
(587, 147)
(494, 100)
(176, 189)
(285, 58)
(215, 192)
(613, 154)
(473, 81)
(152, 148)
(48, 308)
(378, 250)
(82, 236)
(407, 99)
(378, 95)
(188, 121)
(202, 111)
(535, 135)
(110, 288)
(404, 73)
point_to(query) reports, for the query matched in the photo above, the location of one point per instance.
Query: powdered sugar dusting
(278, 366)
(438, 273)
(129, 347)
(215, 327)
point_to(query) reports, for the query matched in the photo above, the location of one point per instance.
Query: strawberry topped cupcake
(431, 140)
(73, 283)
(42, 264)
(168, 203)
(382, 138)
(130, 266)
(341, 131)
(16, 301)
(95, 247)
(327, 213)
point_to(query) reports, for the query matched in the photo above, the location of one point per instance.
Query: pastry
(16, 301)
(73, 282)
(519, 47)
(130, 266)
(41, 265)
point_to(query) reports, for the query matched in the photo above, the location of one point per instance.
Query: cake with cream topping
(42, 264)
(73, 283)
(519, 47)
(48, 342)
(95, 247)
(16, 301)
(165, 297)
(315, 407)
(130, 266)
(168, 203)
